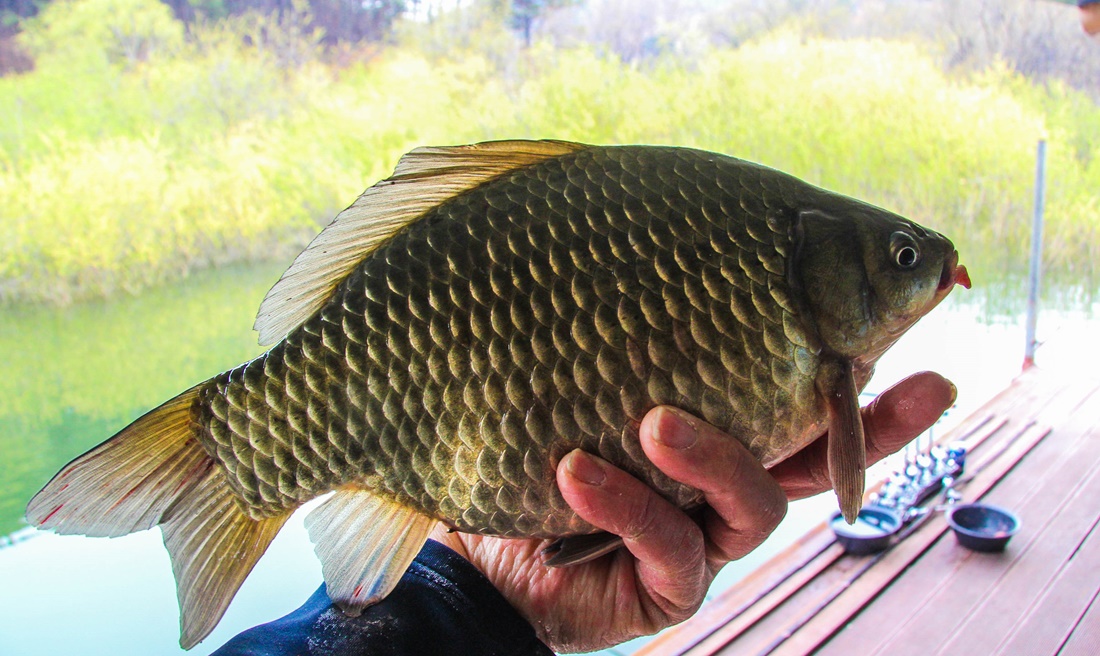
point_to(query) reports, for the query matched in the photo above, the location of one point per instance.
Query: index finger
(891, 421)
(667, 544)
(745, 504)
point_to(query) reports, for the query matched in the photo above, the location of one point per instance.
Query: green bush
(114, 32)
(206, 150)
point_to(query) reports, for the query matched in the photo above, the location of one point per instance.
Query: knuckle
(735, 541)
(769, 517)
(643, 519)
(743, 541)
(818, 475)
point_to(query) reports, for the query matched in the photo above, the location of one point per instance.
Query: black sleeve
(443, 604)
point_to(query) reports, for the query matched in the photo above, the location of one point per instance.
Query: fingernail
(954, 393)
(681, 433)
(586, 469)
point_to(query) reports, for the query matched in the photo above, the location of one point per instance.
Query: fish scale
(557, 350)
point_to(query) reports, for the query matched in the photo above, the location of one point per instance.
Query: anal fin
(847, 452)
(365, 543)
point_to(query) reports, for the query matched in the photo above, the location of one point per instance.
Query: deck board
(1026, 572)
(1035, 449)
(956, 581)
(1030, 567)
(1051, 621)
(1085, 640)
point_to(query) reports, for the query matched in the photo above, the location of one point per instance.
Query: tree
(355, 20)
(526, 12)
(12, 11)
(119, 31)
(14, 59)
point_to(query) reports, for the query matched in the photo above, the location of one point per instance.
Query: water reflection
(71, 378)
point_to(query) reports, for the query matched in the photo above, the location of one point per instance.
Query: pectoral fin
(847, 454)
(365, 544)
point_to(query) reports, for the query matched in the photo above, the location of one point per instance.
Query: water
(71, 378)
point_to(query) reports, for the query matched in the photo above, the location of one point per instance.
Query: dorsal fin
(424, 178)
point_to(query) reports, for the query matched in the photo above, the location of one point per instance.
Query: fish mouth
(953, 274)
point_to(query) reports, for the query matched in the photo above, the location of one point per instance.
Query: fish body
(488, 309)
(461, 360)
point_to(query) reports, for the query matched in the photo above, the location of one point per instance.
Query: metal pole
(1036, 255)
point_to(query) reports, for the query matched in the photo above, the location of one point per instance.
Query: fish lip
(953, 273)
(947, 276)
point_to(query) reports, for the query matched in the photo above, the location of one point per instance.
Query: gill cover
(867, 274)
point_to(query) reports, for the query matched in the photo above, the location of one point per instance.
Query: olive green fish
(448, 338)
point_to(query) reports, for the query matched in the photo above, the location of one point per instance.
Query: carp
(468, 321)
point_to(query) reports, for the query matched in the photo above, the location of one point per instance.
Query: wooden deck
(1035, 450)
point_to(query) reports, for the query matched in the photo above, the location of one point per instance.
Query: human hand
(670, 559)
(1090, 17)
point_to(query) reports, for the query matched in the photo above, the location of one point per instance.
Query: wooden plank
(893, 608)
(1026, 579)
(739, 607)
(771, 630)
(767, 603)
(909, 597)
(771, 581)
(1058, 611)
(803, 595)
(805, 609)
(1085, 640)
(759, 593)
(958, 589)
(830, 619)
(945, 583)
(807, 592)
(895, 561)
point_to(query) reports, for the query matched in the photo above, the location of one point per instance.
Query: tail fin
(214, 546)
(154, 472)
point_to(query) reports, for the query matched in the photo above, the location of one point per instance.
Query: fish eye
(904, 250)
(906, 257)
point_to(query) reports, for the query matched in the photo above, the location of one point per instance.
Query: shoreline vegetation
(133, 158)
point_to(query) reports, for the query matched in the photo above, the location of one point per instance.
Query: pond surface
(71, 378)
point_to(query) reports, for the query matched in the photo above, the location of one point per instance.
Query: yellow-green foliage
(118, 171)
(101, 31)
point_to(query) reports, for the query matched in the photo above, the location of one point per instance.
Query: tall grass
(208, 151)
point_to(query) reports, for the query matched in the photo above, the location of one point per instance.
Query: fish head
(869, 275)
